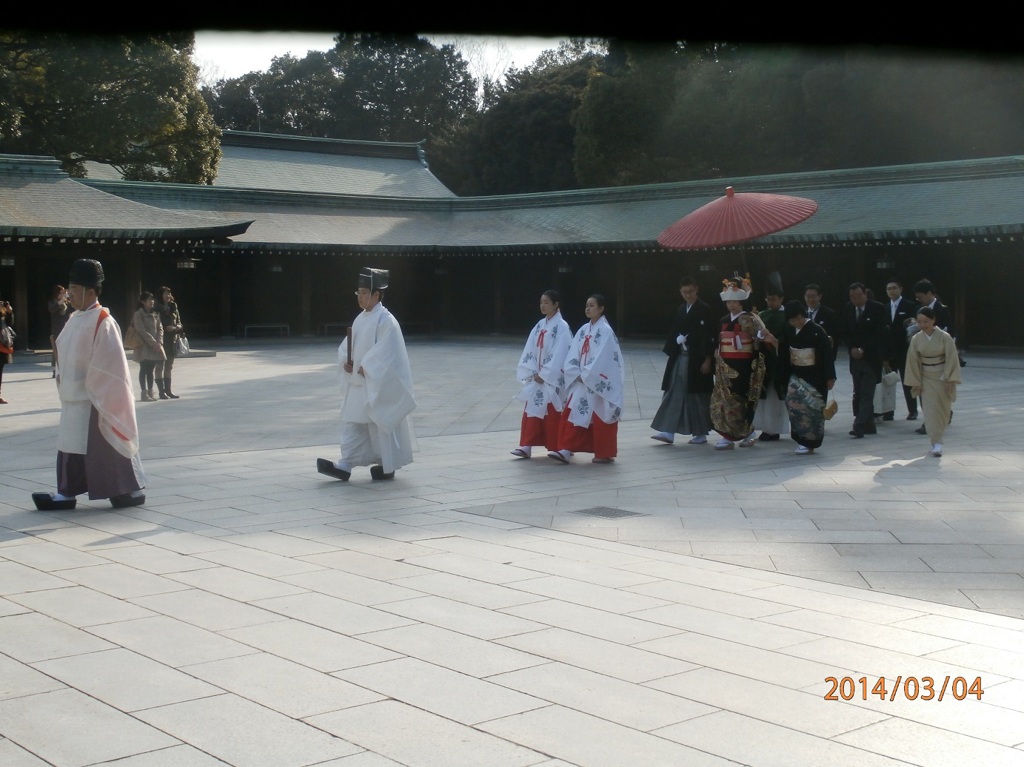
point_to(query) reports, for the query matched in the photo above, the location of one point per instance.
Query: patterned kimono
(544, 355)
(805, 356)
(594, 375)
(933, 370)
(739, 376)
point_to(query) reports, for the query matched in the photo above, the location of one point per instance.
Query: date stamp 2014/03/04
(909, 688)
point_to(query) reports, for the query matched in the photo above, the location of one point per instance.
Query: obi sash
(736, 345)
(802, 358)
(932, 362)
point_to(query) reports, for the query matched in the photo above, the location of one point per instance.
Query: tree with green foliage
(403, 88)
(297, 96)
(371, 87)
(523, 140)
(130, 101)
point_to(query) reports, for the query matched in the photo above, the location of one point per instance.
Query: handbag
(891, 378)
(831, 408)
(7, 335)
(132, 339)
(181, 347)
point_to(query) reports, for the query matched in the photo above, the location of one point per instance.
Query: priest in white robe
(376, 389)
(98, 440)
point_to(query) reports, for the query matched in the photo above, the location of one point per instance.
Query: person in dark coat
(687, 382)
(822, 315)
(924, 292)
(865, 326)
(59, 310)
(805, 361)
(901, 313)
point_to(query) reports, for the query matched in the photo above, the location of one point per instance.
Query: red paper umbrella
(736, 218)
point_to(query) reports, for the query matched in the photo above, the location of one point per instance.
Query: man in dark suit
(924, 292)
(687, 383)
(865, 326)
(822, 315)
(902, 311)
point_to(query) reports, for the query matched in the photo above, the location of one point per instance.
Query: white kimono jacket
(594, 374)
(544, 355)
(381, 398)
(92, 371)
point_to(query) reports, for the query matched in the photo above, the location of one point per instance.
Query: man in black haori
(687, 382)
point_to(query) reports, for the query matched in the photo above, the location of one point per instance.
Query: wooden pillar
(496, 271)
(306, 295)
(19, 300)
(223, 265)
(132, 283)
(621, 325)
(960, 300)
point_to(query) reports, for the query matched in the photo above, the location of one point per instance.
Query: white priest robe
(92, 372)
(375, 408)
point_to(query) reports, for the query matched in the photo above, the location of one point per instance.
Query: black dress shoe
(377, 472)
(327, 467)
(888, 416)
(911, 416)
(126, 500)
(856, 434)
(46, 502)
(921, 430)
(766, 437)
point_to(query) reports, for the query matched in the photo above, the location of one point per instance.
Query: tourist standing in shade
(6, 341)
(59, 310)
(171, 319)
(151, 354)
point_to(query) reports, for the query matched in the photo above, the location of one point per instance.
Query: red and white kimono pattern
(544, 355)
(594, 373)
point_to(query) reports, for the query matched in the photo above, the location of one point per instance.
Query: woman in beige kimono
(932, 373)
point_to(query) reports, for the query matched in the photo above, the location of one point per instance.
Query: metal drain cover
(607, 513)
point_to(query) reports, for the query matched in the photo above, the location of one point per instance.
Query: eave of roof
(37, 199)
(397, 149)
(930, 200)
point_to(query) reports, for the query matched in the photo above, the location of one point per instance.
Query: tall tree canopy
(373, 87)
(523, 140)
(673, 113)
(131, 101)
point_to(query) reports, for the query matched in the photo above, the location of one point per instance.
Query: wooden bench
(423, 326)
(280, 328)
(337, 327)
